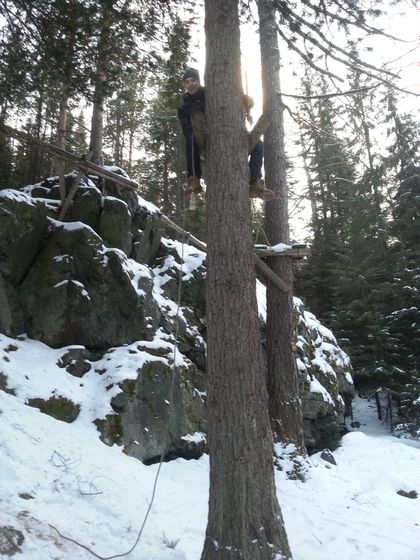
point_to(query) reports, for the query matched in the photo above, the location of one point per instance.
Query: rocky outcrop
(10, 541)
(80, 292)
(102, 292)
(325, 379)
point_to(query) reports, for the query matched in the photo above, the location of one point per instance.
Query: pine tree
(244, 515)
(402, 325)
(331, 191)
(282, 380)
(125, 120)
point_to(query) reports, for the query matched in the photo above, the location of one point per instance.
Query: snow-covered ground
(53, 473)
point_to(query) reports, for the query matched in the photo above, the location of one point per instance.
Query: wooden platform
(281, 250)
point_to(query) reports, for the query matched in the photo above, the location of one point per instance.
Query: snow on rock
(325, 375)
(16, 196)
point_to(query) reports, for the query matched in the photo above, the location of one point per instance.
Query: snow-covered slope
(54, 473)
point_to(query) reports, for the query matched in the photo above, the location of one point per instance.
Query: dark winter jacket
(190, 104)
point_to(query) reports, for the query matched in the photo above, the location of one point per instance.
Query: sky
(402, 21)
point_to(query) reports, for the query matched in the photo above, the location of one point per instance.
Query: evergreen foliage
(363, 275)
(163, 167)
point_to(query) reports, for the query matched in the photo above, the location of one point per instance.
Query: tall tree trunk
(118, 141)
(130, 151)
(244, 516)
(285, 406)
(58, 164)
(97, 128)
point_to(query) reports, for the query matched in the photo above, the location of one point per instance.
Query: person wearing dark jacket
(191, 115)
(192, 108)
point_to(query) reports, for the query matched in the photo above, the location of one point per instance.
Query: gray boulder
(11, 313)
(11, 540)
(115, 224)
(119, 191)
(86, 207)
(23, 226)
(146, 230)
(325, 380)
(80, 292)
(148, 423)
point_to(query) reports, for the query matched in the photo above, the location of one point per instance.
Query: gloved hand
(248, 103)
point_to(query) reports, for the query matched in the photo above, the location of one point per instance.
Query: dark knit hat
(191, 73)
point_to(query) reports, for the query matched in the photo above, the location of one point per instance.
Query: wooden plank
(188, 237)
(260, 265)
(297, 252)
(266, 271)
(73, 189)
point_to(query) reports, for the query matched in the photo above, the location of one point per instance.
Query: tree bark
(245, 519)
(97, 128)
(285, 406)
(58, 164)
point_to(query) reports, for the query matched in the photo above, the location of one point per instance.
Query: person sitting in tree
(191, 114)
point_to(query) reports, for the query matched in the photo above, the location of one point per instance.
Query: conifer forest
(103, 79)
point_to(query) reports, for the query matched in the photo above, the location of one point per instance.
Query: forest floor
(53, 473)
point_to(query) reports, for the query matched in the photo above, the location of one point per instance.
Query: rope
(261, 229)
(165, 451)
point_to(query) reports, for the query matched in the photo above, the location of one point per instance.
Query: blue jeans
(194, 163)
(256, 161)
(193, 155)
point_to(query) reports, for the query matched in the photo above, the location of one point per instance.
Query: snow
(196, 437)
(280, 247)
(54, 473)
(316, 387)
(190, 257)
(17, 196)
(73, 226)
(135, 271)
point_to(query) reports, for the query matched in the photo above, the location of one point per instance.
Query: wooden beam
(188, 237)
(295, 251)
(73, 189)
(79, 161)
(266, 271)
(260, 265)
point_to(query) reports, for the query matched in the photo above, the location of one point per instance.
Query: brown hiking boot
(257, 189)
(199, 127)
(193, 185)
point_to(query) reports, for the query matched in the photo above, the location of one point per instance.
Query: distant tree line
(99, 76)
(362, 167)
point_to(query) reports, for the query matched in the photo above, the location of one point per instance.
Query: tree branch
(327, 95)
(335, 47)
(305, 57)
(371, 30)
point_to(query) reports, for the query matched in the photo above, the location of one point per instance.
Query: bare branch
(305, 57)
(335, 47)
(327, 95)
(356, 23)
(402, 56)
